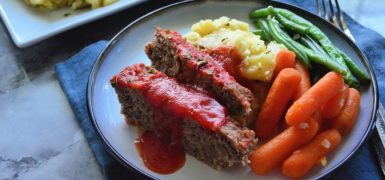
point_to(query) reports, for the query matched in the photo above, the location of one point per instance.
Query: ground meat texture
(223, 147)
(172, 54)
(231, 145)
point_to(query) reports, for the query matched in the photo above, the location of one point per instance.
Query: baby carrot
(327, 87)
(333, 107)
(346, 119)
(304, 85)
(318, 118)
(302, 160)
(284, 59)
(274, 152)
(276, 102)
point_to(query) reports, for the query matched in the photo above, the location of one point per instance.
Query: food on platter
(74, 4)
(217, 90)
(258, 59)
(311, 44)
(191, 118)
(302, 160)
(171, 54)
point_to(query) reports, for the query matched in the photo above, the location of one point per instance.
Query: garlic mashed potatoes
(258, 60)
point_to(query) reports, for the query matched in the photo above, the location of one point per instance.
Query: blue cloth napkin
(73, 76)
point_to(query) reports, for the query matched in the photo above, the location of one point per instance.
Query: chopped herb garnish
(201, 62)
(151, 71)
(66, 14)
(129, 80)
(201, 47)
(227, 24)
(224, 39)
(113, 83)
(210, 72)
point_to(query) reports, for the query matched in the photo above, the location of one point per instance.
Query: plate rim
(119, 35)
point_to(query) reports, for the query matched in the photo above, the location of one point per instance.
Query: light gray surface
(39, 134)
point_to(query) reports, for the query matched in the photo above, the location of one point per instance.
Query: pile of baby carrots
(314, 118)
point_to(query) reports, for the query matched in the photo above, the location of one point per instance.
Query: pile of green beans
(313, 44)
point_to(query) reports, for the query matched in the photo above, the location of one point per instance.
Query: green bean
(315, 43)
(263, 12)
(320, 58)
(290, 25)
(357, 72)
(313, 32)
(262, 24)
(324, 60)
(293, 17)
(310, 43)
(260, 33)
(275, 32)
(328, 46)
(335, 59)
(338, 56)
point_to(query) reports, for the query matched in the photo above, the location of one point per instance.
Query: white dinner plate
(127, 48)
(29, 25)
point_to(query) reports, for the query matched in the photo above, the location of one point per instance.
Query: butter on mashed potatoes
(258, 59)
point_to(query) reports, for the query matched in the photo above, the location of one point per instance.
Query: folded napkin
(73, 76)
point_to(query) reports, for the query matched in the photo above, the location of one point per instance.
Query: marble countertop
(40, 136)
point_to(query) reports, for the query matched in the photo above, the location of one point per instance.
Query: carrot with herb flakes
(302, 160)
(333, 107)
(346, 119)
(313, 99)
(304, 85)
(276, 102)
(284, 59)
(274, 152)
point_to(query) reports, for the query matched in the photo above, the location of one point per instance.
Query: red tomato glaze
(159, 153)
(180, 102)
(172, 103)
(194, 58)
(172, 100)
(229, 58)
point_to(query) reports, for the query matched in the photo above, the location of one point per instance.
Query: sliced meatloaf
(149, 99)
(173, 55)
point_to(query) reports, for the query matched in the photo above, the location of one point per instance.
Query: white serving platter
(28, 25)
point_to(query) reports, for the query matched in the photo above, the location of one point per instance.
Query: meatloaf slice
(206, 134)
(173, 55)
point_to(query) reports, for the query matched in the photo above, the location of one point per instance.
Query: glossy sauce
(176, 102)
(229, 58)
(161, 149)
(159, 153)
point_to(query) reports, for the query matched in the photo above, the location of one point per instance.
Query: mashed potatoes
(258, 59)
(74, 4)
